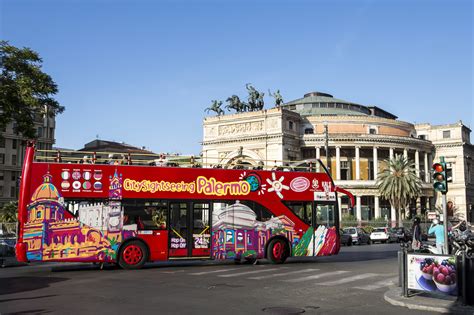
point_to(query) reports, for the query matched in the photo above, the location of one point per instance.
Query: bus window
(201, 229)
(325, 214)
(302, 209)
(217, 209)
(220, 210)
(263, 214)
(146, 215)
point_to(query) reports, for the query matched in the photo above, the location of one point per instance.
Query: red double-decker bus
(131, 214)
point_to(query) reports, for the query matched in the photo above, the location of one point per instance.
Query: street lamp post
(326, 146)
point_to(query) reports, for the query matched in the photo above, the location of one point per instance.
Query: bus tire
(133, 255)
(277, 251)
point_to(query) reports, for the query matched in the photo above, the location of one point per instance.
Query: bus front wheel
(277, 251)
(133, 255)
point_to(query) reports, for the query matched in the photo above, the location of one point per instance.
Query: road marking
(350, 279)
(175, 271)
(282, 274)
(213, 271)
(378, 285)
(326, 274)
(247, 272)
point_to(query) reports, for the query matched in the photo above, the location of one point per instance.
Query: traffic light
(440, 182)
(449, 174)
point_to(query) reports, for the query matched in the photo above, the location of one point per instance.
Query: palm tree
(398, 183)
(8, 213)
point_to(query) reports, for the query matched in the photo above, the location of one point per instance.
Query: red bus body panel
(49, 231)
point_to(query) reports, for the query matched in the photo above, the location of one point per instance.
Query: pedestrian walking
(438, 229)
(416, 232)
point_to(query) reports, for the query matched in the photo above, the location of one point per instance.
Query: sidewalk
(425, 302)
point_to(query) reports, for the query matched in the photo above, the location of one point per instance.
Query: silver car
(359, 236)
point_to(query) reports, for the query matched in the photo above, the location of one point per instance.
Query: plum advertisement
(432, 273)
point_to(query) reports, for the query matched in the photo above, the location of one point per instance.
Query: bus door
(189, 229)
(323, 213)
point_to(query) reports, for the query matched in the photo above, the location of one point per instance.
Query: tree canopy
(25, 90)
(398, 183)
(8, 213)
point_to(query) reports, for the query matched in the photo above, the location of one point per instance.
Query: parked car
(345, 238)
(403, 234)
(383, 235)
(7, 248)
(358, 235)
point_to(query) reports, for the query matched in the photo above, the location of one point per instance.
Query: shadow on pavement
(27, 298)
(22, 284)
(36, 311)
(344, 256)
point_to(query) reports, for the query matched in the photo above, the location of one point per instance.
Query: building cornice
(242, 139)
(344, 119)
(451, 144)
(357, 139)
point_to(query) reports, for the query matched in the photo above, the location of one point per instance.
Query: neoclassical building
(359, 139)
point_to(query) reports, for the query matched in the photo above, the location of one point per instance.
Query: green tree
(398, 183)
(8, 213)
(25, 91)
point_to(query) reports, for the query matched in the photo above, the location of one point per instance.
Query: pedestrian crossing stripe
(213, 271)
(282, 274)
(314, 277)
(350, 279)
(378, 285)
(247, 272)
(253, 274)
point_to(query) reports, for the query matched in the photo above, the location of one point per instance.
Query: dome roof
(46, 191)
(317, 103)
(238, 210)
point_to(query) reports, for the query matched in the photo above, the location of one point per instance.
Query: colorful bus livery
(133, 214)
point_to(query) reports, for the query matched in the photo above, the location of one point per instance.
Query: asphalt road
(352, 282)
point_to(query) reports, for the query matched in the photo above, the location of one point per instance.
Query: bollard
(463, 278)
(404, 273)
(400, 268)
(467, 280)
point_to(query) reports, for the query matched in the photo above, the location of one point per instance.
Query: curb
(394, 297)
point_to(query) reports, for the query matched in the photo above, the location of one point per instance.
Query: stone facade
(12, 150)
(452, 141)
(360, 138)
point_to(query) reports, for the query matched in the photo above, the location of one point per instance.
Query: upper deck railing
(174, 160)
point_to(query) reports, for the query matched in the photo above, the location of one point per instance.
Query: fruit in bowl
(428, 266)
(445, 277)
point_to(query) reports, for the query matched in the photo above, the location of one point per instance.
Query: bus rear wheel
(277, 251)
(133, 255)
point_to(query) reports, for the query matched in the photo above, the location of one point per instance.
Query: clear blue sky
(144, 71)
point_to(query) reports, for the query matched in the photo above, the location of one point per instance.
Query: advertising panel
(432, 273)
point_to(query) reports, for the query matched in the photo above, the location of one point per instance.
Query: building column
(427, 174)
(405, 153)
(358, 209)
(391, 153)
(417, 163)
(357, 156)
(430, 162)
(318, 156)
(428, 205)
(377, 207)
(376, 163)
(338, 163)
(418, 206)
